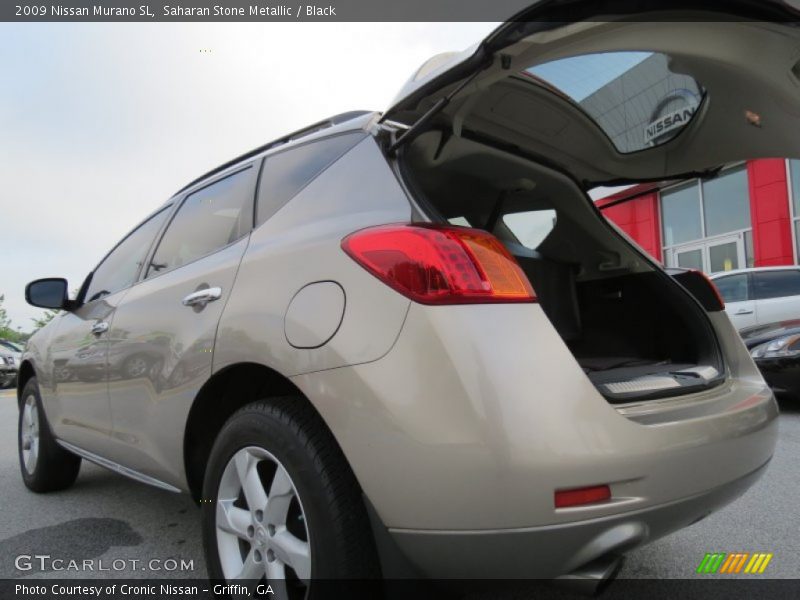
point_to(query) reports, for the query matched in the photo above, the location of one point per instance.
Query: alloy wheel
(29, 434)
(261, 526)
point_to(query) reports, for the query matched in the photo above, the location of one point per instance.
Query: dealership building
(747, 215)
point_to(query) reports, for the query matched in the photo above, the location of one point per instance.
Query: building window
(681, 210)
(794, 187)
(706, 223)
(726, 203)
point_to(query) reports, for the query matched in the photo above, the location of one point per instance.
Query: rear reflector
(581, 496)
(439, 264)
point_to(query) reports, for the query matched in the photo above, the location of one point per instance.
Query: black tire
(54, 467)
(341, 542)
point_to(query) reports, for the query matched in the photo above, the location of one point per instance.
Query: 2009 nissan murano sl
(407, 342)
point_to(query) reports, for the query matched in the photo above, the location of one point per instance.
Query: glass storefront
(706, 223)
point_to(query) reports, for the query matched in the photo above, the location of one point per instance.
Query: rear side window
(209, 219)
(531, 227)
(776, 284)
(733, 288)
(284, 174)
(121, 267)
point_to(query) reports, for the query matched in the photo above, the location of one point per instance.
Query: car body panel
(742, 314)
(557, 549)
(175, 342)
(500, 414)
(770, 310)
(77, 405)
(299, 245)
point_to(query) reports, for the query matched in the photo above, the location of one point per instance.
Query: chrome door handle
(202, 297)
(744, 312)
(99, 328)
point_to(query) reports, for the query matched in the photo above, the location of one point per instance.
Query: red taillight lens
(580, 496)
(436, 264)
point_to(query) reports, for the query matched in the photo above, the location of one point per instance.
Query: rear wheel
(281, 505)
(45, 466)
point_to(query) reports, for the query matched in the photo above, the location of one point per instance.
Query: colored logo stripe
(711, 563)
(721, 562)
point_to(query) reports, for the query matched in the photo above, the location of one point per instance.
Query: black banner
(389, 10)
(706, 588)
(261, 10)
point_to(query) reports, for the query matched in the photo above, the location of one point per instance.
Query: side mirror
(48, 293)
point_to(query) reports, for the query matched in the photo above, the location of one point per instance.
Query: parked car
(8, 369)
(760, 296)
(776, 349)
(377, 390)
(10, 357)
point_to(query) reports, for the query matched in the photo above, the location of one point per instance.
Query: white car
(761, 295)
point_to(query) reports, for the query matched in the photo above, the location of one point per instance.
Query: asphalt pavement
(106, 516)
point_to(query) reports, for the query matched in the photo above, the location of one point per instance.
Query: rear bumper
(461, 434)
(551, 551)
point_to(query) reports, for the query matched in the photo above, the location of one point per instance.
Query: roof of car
(753, 270)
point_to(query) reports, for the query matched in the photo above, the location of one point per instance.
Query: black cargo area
(633, 335)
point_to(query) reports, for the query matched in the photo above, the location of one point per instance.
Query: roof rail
(296, 135)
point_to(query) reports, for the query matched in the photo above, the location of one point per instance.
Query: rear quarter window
(531, 227)
(284, 174)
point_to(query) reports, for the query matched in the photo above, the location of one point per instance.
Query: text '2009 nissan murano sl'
(408, 342)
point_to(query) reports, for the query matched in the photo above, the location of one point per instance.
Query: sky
(100, 123)
(581, 76)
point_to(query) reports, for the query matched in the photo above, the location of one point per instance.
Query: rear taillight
(437, 264)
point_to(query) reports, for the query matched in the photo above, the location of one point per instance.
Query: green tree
(5, 322)
(6, 331)
(46, 317)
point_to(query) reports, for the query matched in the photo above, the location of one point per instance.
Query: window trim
(236, 169)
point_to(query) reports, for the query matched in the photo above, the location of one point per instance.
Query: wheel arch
(222, 395)
(25, 373)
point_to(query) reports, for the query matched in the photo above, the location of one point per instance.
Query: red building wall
(638, 217)
(769, 212)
